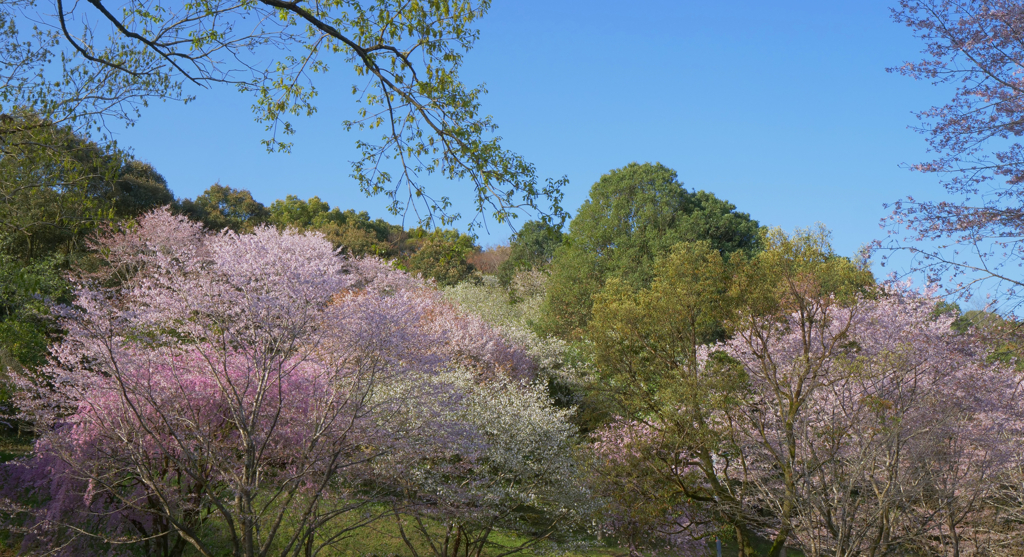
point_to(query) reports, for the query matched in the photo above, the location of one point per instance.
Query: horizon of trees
(717, 360)
(214, 376)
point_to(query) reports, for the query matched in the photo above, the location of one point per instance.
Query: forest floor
(12, 445)
(380, 539)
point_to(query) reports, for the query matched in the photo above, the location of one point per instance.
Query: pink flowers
(234, 378)
(858, 428)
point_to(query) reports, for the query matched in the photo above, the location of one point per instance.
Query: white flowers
(553, 356)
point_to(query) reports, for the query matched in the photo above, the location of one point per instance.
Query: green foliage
(356, 240)
(634, 216)
(296, 213)
(57, 185)
(533, 247)
(646, 345)
(354, 231)
(139, 188)
(26, 290)
(54, 185)
(417, 116)
(794, 269)
(645, 342)
(575, 277)
(442, 257)
(221, 207)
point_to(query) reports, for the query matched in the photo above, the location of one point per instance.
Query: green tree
(354, 232)
(221, 207)
(356, 240)
(533, 247)
(634, 216)
(139, 188)
(57, 185)
(296, 213)
(54, 185)
(795, 268)
(442, 257)
(646, 350)
(27, 288)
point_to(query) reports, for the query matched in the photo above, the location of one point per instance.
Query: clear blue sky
(783, 108)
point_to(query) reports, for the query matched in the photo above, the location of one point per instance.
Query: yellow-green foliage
(648, 350)
(792, 269)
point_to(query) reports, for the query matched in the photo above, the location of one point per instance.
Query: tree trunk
(746, 549)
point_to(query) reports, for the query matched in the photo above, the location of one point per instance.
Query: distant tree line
(664, 372)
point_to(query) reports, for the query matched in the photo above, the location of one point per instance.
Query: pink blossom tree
(863, 431)
(838, 417)
(649, 351)
(507, 461)
(972, 238)
(900, 430)
(239, 393)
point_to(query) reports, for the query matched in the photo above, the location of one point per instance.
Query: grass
(13, 446)
(380, 538)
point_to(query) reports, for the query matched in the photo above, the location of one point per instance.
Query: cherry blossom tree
(240, 393)
(838, 417)
(862, 430)
(972, 239)
(650, 353)
(517, 471)
(900, 430)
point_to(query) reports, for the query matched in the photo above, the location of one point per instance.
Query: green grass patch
(14, 446)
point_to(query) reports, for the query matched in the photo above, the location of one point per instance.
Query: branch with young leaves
(406, 54)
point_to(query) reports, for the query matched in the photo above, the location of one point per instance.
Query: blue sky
(784, 108)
